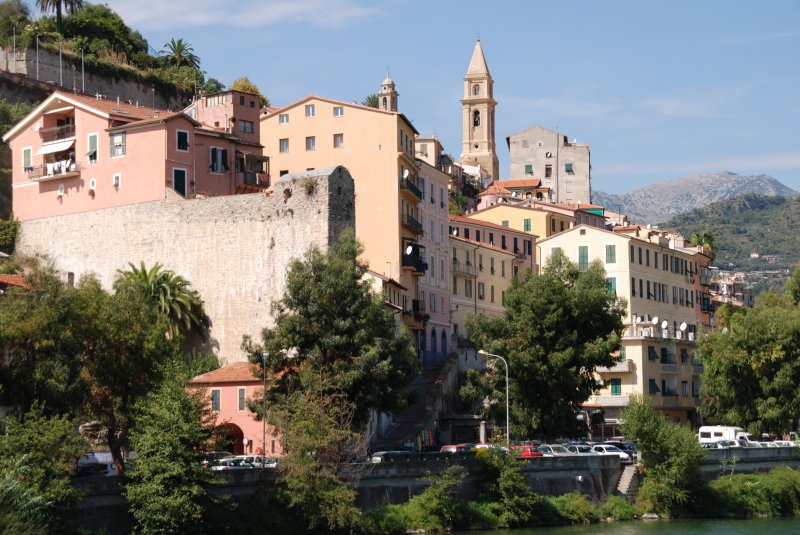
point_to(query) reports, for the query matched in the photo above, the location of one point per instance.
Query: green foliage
(13, 14)
(23, 511)
(167, 487)
(371, 101)
(618, 508)
(245, 85)
(751, 372)
(747, 224)
(558, 327)
(48, 446)
(172, 295)
(9, 229)
(97, 28)
(776, 493)
(576, 508)
(334, 335)
(670, 455)
(59, 7)
(180, 53)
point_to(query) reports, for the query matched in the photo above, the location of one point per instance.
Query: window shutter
(92, 148)
(213, 166)
(224, 159)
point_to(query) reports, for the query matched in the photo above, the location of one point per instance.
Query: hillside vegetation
(748, 224)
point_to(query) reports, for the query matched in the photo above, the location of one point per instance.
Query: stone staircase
(628, 485)
(429, 392)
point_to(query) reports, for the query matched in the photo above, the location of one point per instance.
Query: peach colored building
(228, 390)
(76, 153)
(377, 147)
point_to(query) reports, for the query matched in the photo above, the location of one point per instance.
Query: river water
(790, 526)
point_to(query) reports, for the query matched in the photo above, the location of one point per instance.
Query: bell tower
(387, 98)
(478, 107)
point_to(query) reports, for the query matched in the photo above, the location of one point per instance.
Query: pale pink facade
(229, 390)
(76, 153)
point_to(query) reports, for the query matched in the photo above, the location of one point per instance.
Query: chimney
(117, 99)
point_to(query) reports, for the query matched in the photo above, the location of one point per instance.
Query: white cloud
(779, 160)
(172, 14)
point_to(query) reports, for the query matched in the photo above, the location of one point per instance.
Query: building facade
(478, 116)
(563, 166)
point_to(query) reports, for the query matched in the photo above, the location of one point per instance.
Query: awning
(55, 147)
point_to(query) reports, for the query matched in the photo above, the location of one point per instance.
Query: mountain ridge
(658, 202)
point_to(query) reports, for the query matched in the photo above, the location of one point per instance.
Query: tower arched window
(476, 118)
(476, 90)
(384, 103)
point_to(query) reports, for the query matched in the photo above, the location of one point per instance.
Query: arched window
(476, 118)
(476, 90)
(443, 345)
(384, 103)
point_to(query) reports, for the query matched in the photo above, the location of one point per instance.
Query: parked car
(720, 444)
(456, 448)
(526, 452)
(608, 449)
(230, 463)
(627, 447)
(256, 460)
(553, 450)
(208, 458)
(581, 449)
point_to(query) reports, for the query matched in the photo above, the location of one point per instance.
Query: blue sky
(658, 90)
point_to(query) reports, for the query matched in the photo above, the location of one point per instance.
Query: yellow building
(655, 274)
(536, 221)
(377, 147)
(481, 274)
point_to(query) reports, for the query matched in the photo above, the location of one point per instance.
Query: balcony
(418, 305)
(417, 264)
(669, 400)
(256, 179)
(623, 366)
(520, 254)
(697, 367)
(54, 171)
(621, 400)
(411, 223)
(466, 270)
(407, 186)
(669, 367)
(58, 132)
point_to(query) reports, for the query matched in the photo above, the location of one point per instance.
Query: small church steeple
(387, 98)
(478, 107)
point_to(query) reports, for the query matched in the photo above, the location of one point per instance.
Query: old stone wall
(234, 250)
(59, 74)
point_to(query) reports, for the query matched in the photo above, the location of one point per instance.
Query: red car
(527, 452)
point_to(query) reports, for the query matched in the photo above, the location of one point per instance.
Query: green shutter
(527, 224)
(616, 387)
(611, 284)
(505, 222)
(528, 169)
(92, 148)
(568, 167)
(27, 158)
(611, 254)
(583, 257)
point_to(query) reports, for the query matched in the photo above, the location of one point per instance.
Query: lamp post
(264, 357)
(485, 354)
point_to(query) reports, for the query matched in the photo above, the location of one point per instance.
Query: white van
(715, 433)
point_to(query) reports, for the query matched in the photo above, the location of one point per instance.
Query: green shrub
(575, 508)
(776, 493)
(617, 508)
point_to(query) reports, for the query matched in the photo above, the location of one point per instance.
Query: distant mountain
(746, 226)
(660, 201)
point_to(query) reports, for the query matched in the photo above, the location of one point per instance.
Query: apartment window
(283, 118)
(283, 145)
(246, 127)
(455, 286)
(477, 235)
(491, 265)
(611, 285)
(27, 157)
(182, 140)
(552, 225)
(491, 293)
(622, 353)
(548, 171)
(467, 288)
(309, 110)
(503, 298)
(641, 288)
(583, 257)
(241, 100)
(338, 111)
(633, 286)
(338, 141)
(92, 154)
(311, 143)
(283, 172)
(526, 225)
(491, 238)
(441, 269)
(647, 257)
(684, 388)
(561, 224)
(480, 291)
(241, 398)
(568, 168)
(529, 169)
(433, 303)
(648, 290)
(674, 295)
(215, 399)
(640, 256)
(616, 386)
(665, 261)
(466, 233)
(117, 141)
(218, 160)
(502, 268)
(433, 267)
(480, 262)
(611, 254)
(505, 224)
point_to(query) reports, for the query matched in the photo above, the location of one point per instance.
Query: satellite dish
(405, 173)
(683, 326)
(638, 319)
(655, 320)
(455, 232)
(409, 249)
(664, 324)
(61, 190)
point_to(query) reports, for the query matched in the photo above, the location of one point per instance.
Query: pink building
(75, 153)
(229, 389)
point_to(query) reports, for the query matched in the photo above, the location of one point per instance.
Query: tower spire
(478, 106)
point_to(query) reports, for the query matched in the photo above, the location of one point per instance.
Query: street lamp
(485, 354)
(264, 357)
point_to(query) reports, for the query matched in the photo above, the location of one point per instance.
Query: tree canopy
(244, 84)
(558, 327)
(371, 101)
(180, 53)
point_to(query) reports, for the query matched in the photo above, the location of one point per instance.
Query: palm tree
(172, 294)
(69, 6)
(179, 53)
(705, 240)
(371, 101)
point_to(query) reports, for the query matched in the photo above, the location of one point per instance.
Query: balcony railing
(621, 400)
(53, 171)
(520, 254)
(412, 224)
(58, 132)
(415, 263)
(463, 269)
(407, 185)
(256, 179)
(623, 366)
(669, 367)
(418, 305)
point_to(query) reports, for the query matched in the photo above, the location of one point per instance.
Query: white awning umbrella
(55, 147)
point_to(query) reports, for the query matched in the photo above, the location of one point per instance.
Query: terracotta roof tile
(111, 107)
(15, 280)
(480, 223)
(531, 183)
(238, 372)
